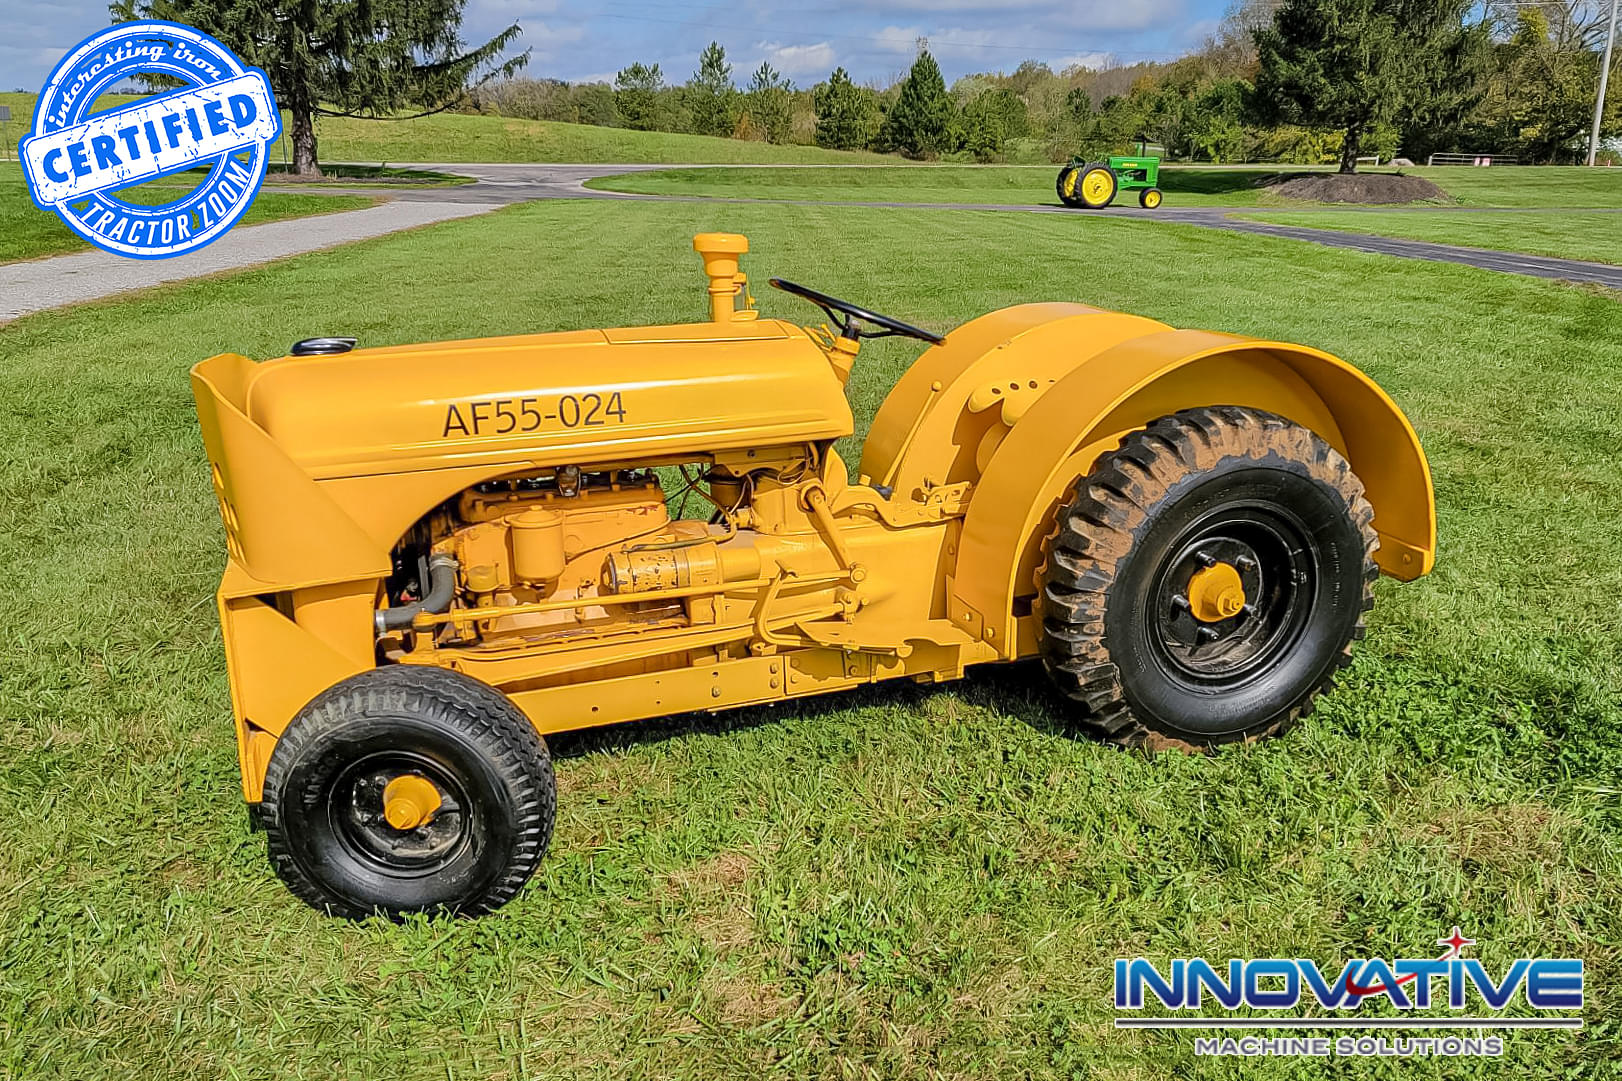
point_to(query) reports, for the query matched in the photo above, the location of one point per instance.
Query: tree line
(1301, 81)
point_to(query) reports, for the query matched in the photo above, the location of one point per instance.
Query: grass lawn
(27, 232)
(1529, 185)
(1184, 186)
(1564, 235)
(903, 882)
(458, 137)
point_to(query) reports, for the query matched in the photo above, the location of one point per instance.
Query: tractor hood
(578, 397)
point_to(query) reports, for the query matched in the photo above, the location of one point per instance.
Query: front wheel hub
(409, 801)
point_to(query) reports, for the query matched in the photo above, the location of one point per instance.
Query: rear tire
(1096, 186)
(1066, 186)
(492, 803)
(1214, 488)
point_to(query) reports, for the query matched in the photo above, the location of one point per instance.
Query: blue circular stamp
(77, 163)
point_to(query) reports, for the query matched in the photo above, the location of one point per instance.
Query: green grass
(457, 137)
(27, 232)
(1563, 234)
(903, 882)
(1024, 185)
(1529, 185)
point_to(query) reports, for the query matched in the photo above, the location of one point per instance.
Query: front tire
(1207, 581)
(408, 789)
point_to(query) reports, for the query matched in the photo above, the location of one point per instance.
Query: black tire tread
(1098, 527)
(479, 712)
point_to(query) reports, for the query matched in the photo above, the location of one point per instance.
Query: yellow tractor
(441, 553)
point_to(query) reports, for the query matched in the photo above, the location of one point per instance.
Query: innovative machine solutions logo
(75, 161)
(1476, 1000)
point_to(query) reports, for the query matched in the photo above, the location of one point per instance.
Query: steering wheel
(853, 315)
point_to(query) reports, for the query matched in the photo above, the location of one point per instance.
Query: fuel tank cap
(318, 347)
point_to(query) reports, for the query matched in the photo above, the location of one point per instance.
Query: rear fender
(933, 424)
(1087, 412)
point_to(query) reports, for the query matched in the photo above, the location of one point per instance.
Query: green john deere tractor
(1094, 185)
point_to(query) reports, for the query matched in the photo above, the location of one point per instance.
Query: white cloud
(815, 59)
(899, 39)
(1095, 60)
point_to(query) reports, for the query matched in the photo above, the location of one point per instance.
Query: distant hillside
(456, 137)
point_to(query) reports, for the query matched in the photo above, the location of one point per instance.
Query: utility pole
(1604, 77)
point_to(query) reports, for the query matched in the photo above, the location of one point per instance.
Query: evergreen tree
(710, 92)
(920, 121)
(636, 95)
(369, 60)
(769, 103)
(980, 127)
(846, 113)
(1357, 65)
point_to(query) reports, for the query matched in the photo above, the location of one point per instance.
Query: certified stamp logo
(77, 163)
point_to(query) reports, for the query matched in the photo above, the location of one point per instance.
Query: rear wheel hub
(1233, 595)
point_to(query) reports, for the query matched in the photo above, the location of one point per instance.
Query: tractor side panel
(1089, 411)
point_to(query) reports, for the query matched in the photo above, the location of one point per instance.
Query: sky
(585, 41)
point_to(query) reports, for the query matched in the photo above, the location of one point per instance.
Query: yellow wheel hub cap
(1152, 200)
(410, 801)
(1096, 184)
(1215, 593)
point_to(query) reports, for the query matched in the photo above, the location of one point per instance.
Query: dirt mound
(1375, 188)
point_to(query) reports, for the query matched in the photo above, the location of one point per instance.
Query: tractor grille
(228, 514)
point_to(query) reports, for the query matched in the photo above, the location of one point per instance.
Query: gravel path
(76, 278)
(73, 279)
